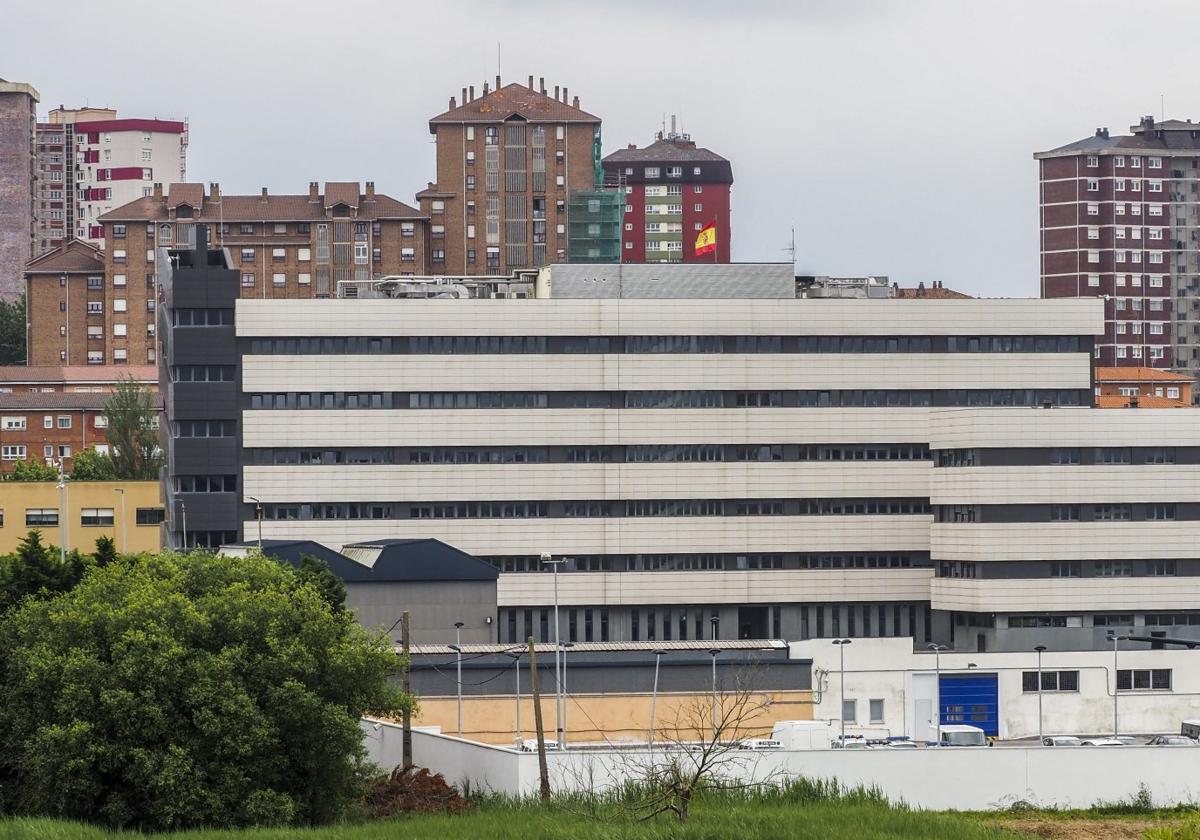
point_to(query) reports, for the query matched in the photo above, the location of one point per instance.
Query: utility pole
(406, 684)
(543, 773)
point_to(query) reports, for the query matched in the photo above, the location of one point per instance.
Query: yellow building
(128, 511)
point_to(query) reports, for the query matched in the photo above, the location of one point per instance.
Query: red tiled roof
(68, 374)
(91, 401)
(1139, 374)
(257, 208)
(341, 192)
(931, 293)
(72, 257)
(499, 105)
(664, 151)
(189, 194)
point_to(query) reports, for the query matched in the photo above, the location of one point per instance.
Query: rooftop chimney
(542, 84)
(485, 88)
(264, 194)
(214, 192)
(564, 99)
(370, 189)
(672, 123)
(157, 190)
(575, 102)
(531, 84)
(556, 91)
(452, 104)
(314, 191)
(632, 146)
(464, 96)
(471, 90)
(497, 81)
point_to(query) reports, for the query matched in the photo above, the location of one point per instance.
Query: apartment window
(376, 255)
(1065, 456)
(1064, 513)
(876, 710)
(1093, 161)
(1093, 233)
(1119, 209)
(559, 181)
(12, 452)
(698, 189)
(248, 280)
(1119, 233)
(407, 254)
(41, 517)
(120, 330)
(1093, 279)
(438, 205)
(278, 254)
(120, 356)
(470, 132)
(1155, 186)
(1113, 568)
(147, 175)
(1119, 185)
(699, 208)
(652, 172)
(95, 357)
(470, 231)
(247, 255)
(1156, 280)
(1094, 256)
(1156, 679)
(1154, 162)
(118, 256)
(628, 246)
(1160, 568)
(1160, 512)
(470, 256)
(559, 132)
(438, 255)
(247, 229)
(95, 282)
(849, 708)
(280, 228)
(13, 424)
(470, 182)
(1092, 209)
(304, 254)
(278, 279)
(471, 158)
(118, 231)
(1093, 185)
(118, 279)
(96, 517)
(304, 278)
(1066, 568)
(1051, 681)
(1135, 184)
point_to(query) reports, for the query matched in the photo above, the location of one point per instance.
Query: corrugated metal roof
(611, 647)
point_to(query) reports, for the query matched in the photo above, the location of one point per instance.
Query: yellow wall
(597, 717)
(17, 496)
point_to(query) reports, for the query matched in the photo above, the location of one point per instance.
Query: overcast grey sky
(896, 137)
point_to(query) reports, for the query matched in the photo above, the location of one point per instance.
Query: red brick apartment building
(1119, 220)
(98, 307)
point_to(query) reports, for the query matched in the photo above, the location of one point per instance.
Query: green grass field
(710, 819)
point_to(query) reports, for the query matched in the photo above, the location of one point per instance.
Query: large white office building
(791, 468)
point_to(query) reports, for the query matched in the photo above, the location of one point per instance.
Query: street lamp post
(62, 513)
(714, 621)
(1040, 650)
(258, 514)
(713, 653)
(937, 703)
(566, 646)
(658, 655)
(458, 626)
(1114, 638)
(841, 643)
(549, 560)
(124, 524)
(183, 509)
(516, 655)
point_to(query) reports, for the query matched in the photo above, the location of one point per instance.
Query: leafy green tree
(105, 553)
(32, 470)
(174, 691)
(36, 569)
(91, 465)
(12, 331)
(314, 571)
(132, 431)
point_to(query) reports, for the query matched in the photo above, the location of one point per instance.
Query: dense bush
(174, 691)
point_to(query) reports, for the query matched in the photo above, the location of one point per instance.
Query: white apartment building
(768, 462)
(90, 162)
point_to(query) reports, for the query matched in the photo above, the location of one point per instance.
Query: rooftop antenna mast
(791, 249)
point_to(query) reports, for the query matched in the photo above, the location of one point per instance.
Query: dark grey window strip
(596, 508)
(649, 344)
(666, 453)
(854, 398)
(1068, 456)
(718, 561)
(1054, 569)
(1094, 512)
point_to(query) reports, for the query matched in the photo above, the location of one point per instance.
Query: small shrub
(1189, 829)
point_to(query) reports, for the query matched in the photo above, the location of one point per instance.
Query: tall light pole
(457, 647)
(183, 508)
(841, 643)
(1040, 650)
(258, 514)
(658, 655)
(937, 685)
(549, 560)
(516, 655)
(566, 646)
(62, 513)
(713, 653)
(1114, 638)
(124, 524)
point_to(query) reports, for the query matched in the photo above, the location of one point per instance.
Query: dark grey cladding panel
(691, 280)
(202, 400)
(210, 511)
(203, 346)
(205, 456)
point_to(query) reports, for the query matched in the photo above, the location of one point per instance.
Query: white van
(961, 735)
(803, 734)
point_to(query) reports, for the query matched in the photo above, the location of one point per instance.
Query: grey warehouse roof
(382, 561)
(672, 280)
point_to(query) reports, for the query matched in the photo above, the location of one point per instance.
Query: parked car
(1061, 741)
(850, 742)
(1127, 740)
(760, 744)
(961, 735)
(1102, 742)
(1171, 741)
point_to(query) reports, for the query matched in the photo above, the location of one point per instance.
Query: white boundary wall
(962, 779)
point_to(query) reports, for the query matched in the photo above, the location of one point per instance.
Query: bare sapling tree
(704, 748)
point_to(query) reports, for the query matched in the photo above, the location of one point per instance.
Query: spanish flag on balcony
(706, 240)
